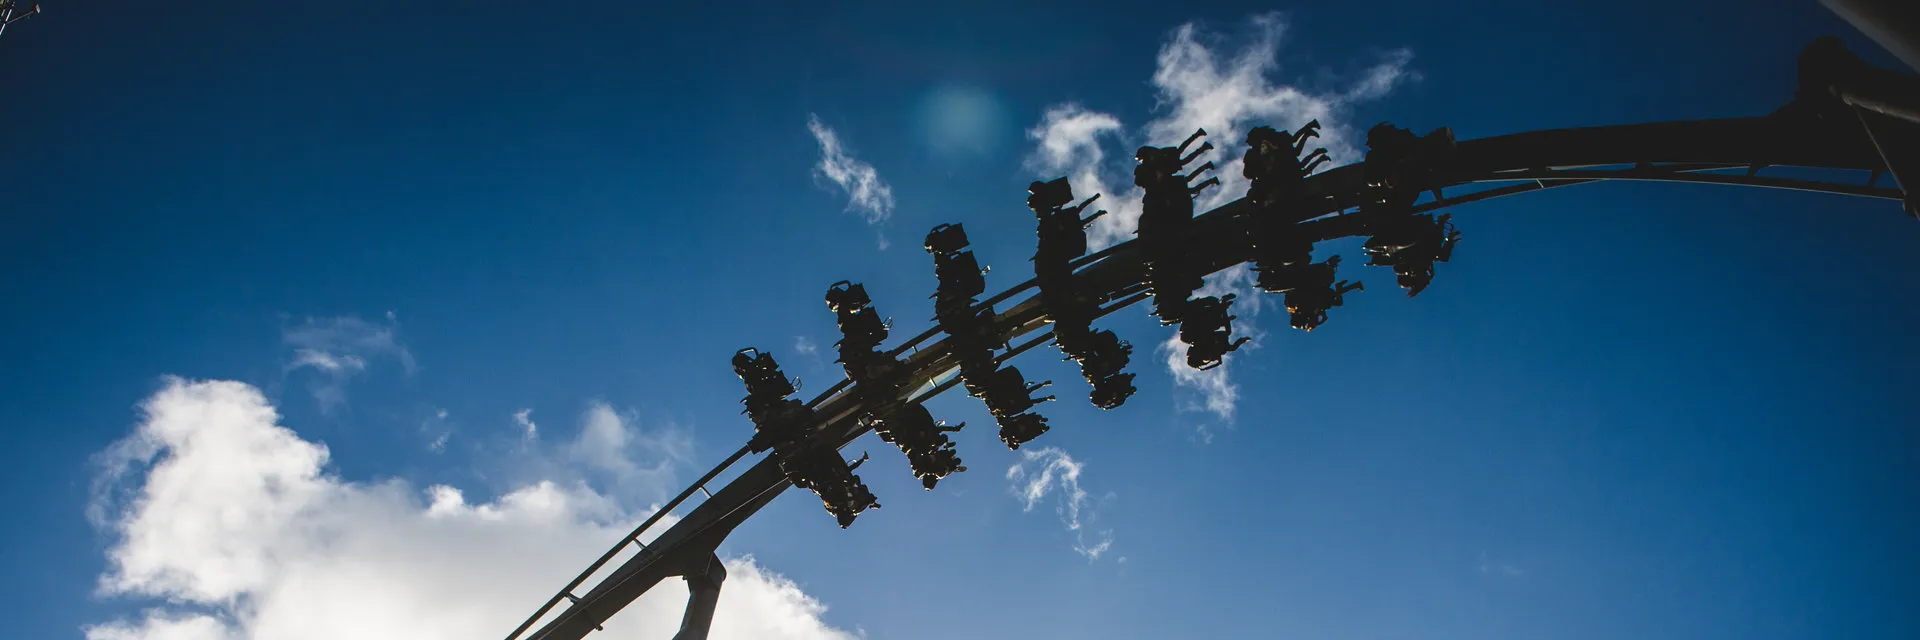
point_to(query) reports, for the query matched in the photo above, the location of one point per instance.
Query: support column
(703, 595)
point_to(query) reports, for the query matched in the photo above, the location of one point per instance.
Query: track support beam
(703, 595)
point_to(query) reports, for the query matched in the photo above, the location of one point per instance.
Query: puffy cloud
(867, 194)
(613, 443)
(1201, 85)
(337, 349)
(231, 526)
(161, 625)
(1050, 471)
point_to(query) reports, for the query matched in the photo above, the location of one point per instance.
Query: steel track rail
(1544, 159)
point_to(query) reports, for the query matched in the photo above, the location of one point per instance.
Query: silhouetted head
(1258, 135)
(1386, 136)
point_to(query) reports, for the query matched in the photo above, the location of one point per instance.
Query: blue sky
(503, 252)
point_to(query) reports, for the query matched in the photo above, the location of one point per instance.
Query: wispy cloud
(524, 418)
(1201, 82)
(1050, 471)
(1069, 141)
(1216, 391)
(611, 443)
(867, 194)
(437, 424)
(805, 347)
(1198, 86)
(328, 362)
(337, 349)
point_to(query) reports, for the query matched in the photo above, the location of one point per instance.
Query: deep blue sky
(1657, 411)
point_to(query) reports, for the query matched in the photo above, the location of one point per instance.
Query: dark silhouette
(1165, 216)
(1277, 174)
(783, 425)
(1400, 165)
(1008, 393)
(1411, 245)
(973, 338)
(862, 331)
(1309, 300)
(1021, 429)
(960, 275)
(929, 452)
(1208, 332)
(1063, 238)
(1273, 164)
(767, 404)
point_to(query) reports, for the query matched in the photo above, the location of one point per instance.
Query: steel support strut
(703, 594)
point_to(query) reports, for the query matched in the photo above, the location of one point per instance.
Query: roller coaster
(10, 12)
(1848, 118)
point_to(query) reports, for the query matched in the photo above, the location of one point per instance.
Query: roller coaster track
(1817, 150)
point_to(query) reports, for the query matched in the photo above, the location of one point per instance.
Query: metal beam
(1894, 24)
(703, 596)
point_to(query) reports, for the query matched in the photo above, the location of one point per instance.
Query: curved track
(1724, 152)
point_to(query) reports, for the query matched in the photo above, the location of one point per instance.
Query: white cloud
(524, 418)
(1199, 87)
(1068, 140)
(1217, 391)
(1218, 394)
(438, 427)
(337, 349)
(162, 625)
(804, 346)
(1050, 470)
(1227, 92)
(1382, 78)
(227, 525)
(867, 194)
(612, 450)
(613, 443)
(327, 362)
